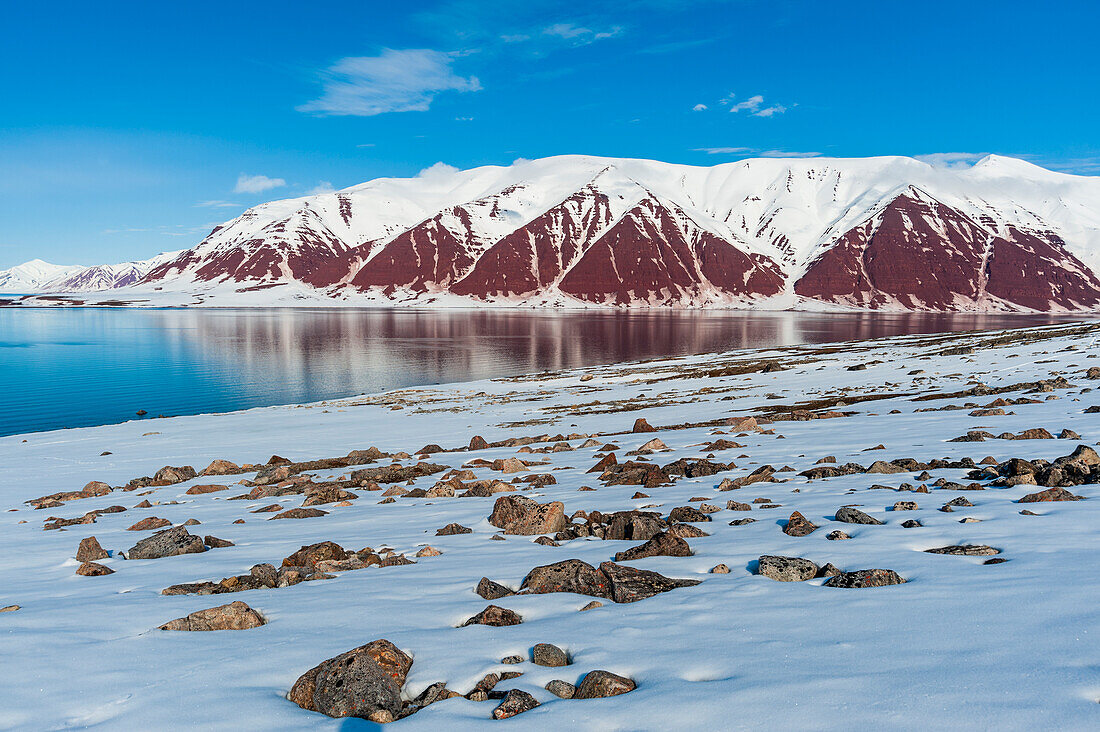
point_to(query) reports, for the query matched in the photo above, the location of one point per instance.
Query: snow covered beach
(959, 644)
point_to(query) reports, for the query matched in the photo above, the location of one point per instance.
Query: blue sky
(127, 129)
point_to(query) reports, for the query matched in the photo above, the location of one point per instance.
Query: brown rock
(169, 475)
(799, 525)
(521, 515)
(495, 616)
(1050, 494)
(152, 522)
(641, 425)
(309, 556)
(492, 590)
(234, 616)
(299, 513)
(89, 550)
(452, 529)
(215, 543)
(93, 569)
(197, 490)
(221, 467)
(515, 702)
(599, 684)
(663, 544)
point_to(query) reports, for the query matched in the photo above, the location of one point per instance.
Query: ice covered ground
(961, 644)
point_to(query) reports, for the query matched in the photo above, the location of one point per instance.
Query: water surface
(74, 367)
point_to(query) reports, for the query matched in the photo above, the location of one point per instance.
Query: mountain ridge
(887, 232)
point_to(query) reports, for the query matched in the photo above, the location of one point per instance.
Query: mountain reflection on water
(78, 367)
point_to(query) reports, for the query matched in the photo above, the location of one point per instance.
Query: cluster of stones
(367, 682)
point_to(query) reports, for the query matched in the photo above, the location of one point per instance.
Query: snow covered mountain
(108, 276)
(37, 276)
(33, 275)
(875, 233)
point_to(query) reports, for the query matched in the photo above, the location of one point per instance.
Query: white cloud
(257, 183)
(699, 108)
(754, 105)
(723, 150)
(322, 187)
(365, 144)
(756, 152)
(769, 111)
(464, 119)
(394, 81)
(951, 160)
(216, 204)
(515, 38)
(439, 171)
(579, 35)
(787, 154)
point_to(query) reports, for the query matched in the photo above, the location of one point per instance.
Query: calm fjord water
(79, 367)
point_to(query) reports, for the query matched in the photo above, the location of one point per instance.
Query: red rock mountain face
(916, 253)
(304, 250)
(1035, 270)
(429, 256)
(920, 254)
(656, 254)
(615, 242)
(536, 255)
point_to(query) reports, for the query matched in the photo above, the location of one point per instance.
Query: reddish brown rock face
(910, 253)
(1035, 270)
(658, 255)
(303, 249)
(917, 253)
(534, 256)
(428, 256)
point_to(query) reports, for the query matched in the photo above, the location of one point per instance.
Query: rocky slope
(875, 233)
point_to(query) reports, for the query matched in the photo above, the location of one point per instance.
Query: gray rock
(496, 616)
(547, 654)
(663, 544)
(571, 575)
(357, 683)
(850, 515)
(787, 569)
(168, 543)
(865, 578)
(492, 590)
(965, 550)
(598, 684)
(515, 702)
(630, 585)
(561, 689)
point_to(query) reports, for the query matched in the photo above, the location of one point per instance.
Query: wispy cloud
(322, 187)
(756, 152)
(394, 81)
(699, 108)
(257, 183)
(951, 160)
(754, 105)
(580, 35)
(216, 204)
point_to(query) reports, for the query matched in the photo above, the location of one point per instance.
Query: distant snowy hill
(31, 276)
(870, 233)
(37, 276)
